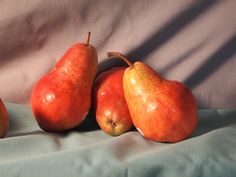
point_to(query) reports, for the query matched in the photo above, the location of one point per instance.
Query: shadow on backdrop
(184, 57)
(163, 34)
(222, 55)
(30, 37)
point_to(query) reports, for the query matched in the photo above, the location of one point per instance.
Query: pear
(3, 120)
(61, 99)
(161, 110)
(112, 113)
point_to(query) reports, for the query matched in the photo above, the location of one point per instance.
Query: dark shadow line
(171, 29)
(36, 132)
(162, 35)
(183, 57)
(222, 55)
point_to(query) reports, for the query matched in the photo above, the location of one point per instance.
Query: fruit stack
(123, 97)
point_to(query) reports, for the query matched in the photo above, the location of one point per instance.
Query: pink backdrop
(189, 41)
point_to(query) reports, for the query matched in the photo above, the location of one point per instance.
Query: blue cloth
(87, 151)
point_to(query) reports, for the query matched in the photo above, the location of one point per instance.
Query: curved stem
(88, 38)
(119, 55)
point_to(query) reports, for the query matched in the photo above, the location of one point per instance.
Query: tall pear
(162, 110)
(61, 99)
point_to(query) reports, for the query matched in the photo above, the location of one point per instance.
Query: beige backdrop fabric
(189, 41)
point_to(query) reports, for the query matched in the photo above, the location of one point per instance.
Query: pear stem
(88, 38)
(119, 55)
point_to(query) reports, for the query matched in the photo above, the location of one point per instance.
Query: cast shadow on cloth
(214, 121)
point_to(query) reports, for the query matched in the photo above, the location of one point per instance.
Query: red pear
(3, 120)
(111, 109)
(162, 110)
(61, 99)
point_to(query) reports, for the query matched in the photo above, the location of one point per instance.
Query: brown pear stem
(88, 38)
(119, 55)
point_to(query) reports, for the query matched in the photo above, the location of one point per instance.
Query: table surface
(87, 151)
